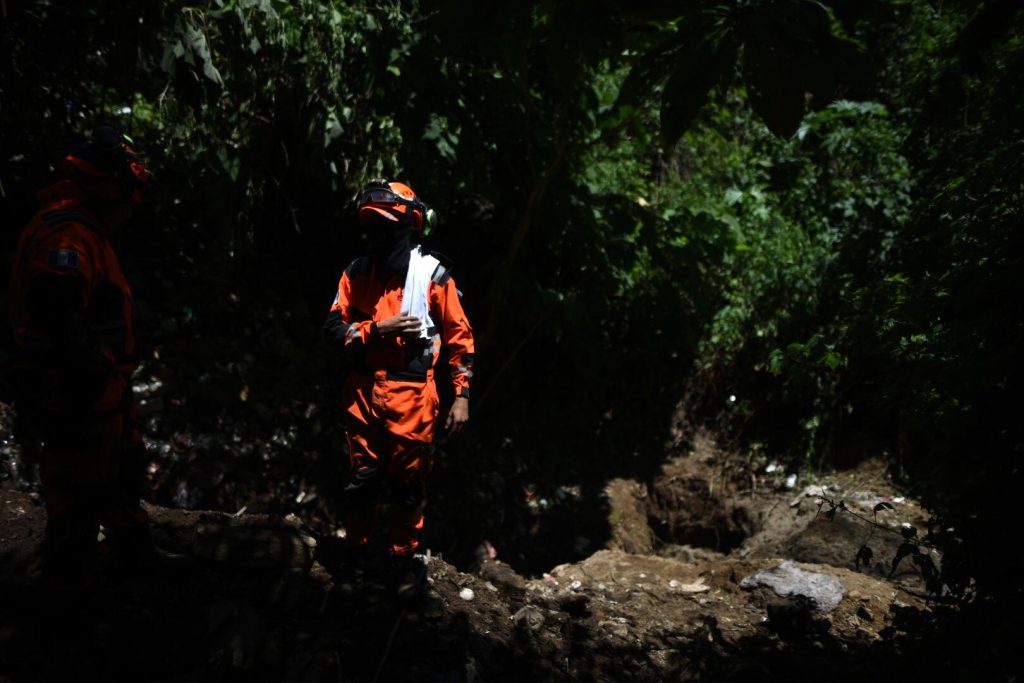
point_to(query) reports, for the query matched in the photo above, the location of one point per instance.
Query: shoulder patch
(361, 266)
(441, 275)
(63, 258)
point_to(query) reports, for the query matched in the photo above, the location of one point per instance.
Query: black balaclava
(390, 243)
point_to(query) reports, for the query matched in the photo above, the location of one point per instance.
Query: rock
(502, 576)
(253, 547)
(466, 594)
(788, 580)
(529, 619)
(865, 635)
(795, 616)
(617, 629)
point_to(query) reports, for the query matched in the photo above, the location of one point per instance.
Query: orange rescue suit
(71, 308)
(390, 398)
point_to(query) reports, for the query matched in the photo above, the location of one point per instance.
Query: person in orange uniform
(393, 310)
(72, 314)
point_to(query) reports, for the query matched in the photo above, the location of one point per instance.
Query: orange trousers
(390, 428)
(92, 465)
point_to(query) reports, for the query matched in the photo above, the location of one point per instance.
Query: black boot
(407, 576)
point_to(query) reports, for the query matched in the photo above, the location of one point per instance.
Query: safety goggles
(384, 196)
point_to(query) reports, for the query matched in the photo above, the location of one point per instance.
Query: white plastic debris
(771, 467)
(466, 594)
(576, 585)
(697, 586)
(791, 481)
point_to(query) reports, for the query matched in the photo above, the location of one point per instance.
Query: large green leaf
(647, 69)
(791, 59)
(698, 67)
(773, 72)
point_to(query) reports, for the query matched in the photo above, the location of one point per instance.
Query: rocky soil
(712, 572)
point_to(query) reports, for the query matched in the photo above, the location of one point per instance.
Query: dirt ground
(681, 593)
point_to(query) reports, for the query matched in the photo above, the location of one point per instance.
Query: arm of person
(56, 300)
(342, 327)
(457, 335)
(458, 416)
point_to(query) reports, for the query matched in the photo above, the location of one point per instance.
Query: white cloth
(417, 283)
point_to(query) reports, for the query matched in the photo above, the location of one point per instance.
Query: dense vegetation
(798, 222)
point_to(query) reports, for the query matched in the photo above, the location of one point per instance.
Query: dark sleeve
(55, 304)
(341, 328)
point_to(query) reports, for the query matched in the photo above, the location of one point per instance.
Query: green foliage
(313, 132)
(809, 217)
(880, 273)
(791, 52)
(698, 200)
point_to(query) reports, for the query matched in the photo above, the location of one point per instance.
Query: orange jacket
(69, 300)
(363, 300)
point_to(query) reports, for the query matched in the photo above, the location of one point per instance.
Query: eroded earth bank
(712, 572)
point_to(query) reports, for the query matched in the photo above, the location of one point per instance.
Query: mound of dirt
(707, 506)
(265, 599)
